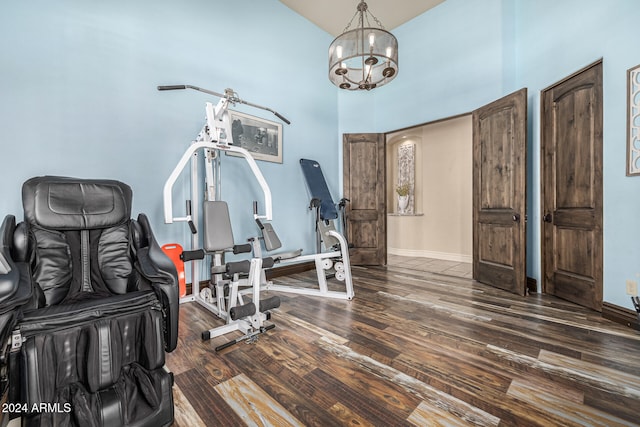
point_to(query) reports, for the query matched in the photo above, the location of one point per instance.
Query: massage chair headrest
(63, 203)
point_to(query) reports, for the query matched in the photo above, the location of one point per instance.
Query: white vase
(403, 202)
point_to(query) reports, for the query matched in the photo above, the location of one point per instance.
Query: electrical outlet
(632, 287)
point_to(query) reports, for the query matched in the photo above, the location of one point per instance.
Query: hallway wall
(443, 192)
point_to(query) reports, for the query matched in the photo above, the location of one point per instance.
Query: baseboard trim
(288, 269)
(621, 315)
(203, 284)
(446, 256)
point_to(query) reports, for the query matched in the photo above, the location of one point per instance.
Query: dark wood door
(364, 174)
(571, 168)
(499, 193)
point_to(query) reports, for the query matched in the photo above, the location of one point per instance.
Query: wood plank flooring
(412, 348)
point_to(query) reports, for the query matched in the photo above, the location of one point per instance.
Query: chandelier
(365, 57)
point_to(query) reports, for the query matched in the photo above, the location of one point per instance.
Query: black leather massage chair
(88, 308)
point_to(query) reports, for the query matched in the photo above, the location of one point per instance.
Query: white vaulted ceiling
(334, 15)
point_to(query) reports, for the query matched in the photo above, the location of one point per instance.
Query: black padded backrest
(80, 229)
(218, 235)
(62, 203)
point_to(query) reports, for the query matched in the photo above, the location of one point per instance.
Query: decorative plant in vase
(403, 197)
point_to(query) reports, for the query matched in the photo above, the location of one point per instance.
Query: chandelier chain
(375, 19)
(350, 22)
(364, 14)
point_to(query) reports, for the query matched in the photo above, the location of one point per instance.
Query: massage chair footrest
(109, 350)
(139, 398)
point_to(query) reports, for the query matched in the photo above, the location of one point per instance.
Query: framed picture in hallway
(262, 138)
(633, 121)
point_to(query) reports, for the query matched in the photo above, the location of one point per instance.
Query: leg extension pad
(241, 311)
(269, 303)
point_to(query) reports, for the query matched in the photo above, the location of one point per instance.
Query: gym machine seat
(88, 306)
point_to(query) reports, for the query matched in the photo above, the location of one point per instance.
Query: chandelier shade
(365, 57)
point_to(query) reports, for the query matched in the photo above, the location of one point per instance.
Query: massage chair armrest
(158, 268)
(15, 291)
(10, 277)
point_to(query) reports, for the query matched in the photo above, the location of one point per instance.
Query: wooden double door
(499, 194)
(571, 191)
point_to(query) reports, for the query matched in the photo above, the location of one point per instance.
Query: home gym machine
(223, 297)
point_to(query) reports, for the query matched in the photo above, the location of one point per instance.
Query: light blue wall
(78, 95)
(555, 40)
(79, 98)
(463, 54)
(454, 58)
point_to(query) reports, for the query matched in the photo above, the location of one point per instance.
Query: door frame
(387, 134)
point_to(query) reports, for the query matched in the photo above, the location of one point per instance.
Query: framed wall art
(633, 121)
(406, 178)
(262, 138)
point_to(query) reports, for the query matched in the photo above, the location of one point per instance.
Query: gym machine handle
(278, 115)
(191, 255)
(244, 337)
(172, 87)
(242, 249)
(192, 226)
(226, 345)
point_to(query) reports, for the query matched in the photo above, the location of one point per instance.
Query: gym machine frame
(214, 138)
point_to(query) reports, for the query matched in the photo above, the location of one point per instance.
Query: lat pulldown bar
(229, 94)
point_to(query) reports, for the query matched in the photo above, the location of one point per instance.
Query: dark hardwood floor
(412, 348)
